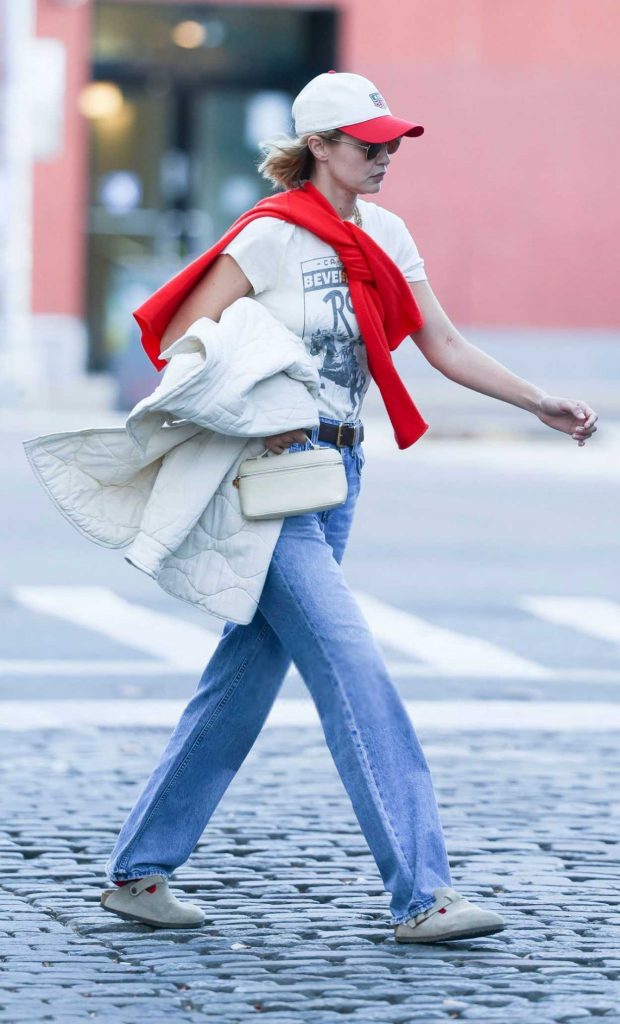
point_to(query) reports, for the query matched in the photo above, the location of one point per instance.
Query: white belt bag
(271, 486)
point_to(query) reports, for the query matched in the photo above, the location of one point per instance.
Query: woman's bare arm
(223, 283)
(450, 353)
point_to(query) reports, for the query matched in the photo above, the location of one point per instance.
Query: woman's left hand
(574, 418)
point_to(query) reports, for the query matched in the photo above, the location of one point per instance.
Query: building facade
(150, 114)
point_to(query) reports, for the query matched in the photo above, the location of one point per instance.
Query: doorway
(185, 93)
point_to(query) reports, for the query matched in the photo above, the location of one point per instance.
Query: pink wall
(511, 193)
(61, 185)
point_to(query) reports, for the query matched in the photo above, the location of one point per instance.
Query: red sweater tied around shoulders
(384, 305)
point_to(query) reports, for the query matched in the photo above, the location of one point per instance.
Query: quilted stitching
(163, 483)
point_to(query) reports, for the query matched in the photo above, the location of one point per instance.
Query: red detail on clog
(151, 888)
(442, 911)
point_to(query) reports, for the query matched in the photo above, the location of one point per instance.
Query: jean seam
(415, 908)
(190, 753)
(365, 760)
(143, 874)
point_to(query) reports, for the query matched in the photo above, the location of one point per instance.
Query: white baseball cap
(338, 99)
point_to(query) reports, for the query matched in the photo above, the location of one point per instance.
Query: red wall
(510, 194)
(61, 185)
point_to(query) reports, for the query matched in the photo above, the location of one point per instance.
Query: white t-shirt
(301, 281)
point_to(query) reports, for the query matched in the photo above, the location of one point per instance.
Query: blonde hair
(287, 161)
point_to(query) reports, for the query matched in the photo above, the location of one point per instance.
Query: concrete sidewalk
(297, 918)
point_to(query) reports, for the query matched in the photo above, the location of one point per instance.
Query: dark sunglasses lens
(374, 148)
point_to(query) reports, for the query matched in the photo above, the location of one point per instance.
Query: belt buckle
(338, 445)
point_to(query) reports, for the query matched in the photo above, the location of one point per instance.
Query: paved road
(490, 574)
(296, 916)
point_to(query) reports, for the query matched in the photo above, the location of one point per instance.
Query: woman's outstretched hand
(574, 418)
(278, 443)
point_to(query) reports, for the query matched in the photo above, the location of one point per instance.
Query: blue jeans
(308, 614)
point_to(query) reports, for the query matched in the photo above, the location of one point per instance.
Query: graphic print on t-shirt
(331, 334)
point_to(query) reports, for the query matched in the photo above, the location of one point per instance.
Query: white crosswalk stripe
(448, 715)
(449, 651)
(93, 667)
(100, 668)
(595, 616)
(178, 647)
(174, 640)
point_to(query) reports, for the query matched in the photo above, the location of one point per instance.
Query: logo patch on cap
(378, 100)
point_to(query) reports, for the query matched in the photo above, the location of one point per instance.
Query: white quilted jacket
(163, 483)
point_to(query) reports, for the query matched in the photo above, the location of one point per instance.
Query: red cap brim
(382, 129)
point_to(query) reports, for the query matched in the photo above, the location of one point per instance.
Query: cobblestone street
(297, 919)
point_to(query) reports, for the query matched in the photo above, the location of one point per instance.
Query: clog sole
(472, 933)
(152, 924)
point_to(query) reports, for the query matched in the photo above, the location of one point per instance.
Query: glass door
(186, 92)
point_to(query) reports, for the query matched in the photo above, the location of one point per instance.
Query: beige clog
(451, 917)
(160, 908)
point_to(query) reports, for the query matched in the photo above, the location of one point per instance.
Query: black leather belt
(341, 434)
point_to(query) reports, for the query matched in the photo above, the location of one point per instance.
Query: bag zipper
(291, 469)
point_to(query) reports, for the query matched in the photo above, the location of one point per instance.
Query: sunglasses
(372, 148)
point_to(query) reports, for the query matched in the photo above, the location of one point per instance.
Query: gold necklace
(357, 217)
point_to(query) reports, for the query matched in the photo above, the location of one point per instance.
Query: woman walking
(346, 277)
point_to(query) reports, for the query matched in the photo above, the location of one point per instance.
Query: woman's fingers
(280, 442)
(582, 436)
(586, 425)
(589, 416)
